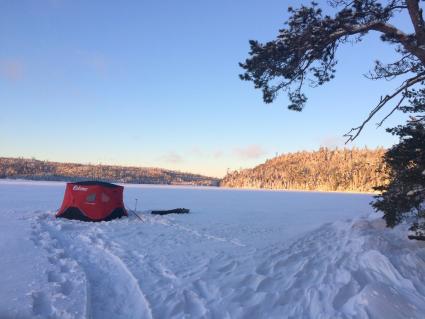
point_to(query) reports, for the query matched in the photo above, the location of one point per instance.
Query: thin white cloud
(172, 157)
(253, 151)
(11, 70)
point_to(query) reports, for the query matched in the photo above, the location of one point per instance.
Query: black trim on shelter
(76, 214)
(116, 213)
(97, 183)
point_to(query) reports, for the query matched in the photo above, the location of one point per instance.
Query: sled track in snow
(111, 289)
(169, 294)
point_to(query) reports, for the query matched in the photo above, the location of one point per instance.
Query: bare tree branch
(355, 131)
(392, 111)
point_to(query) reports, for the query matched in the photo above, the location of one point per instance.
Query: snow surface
(239, 254)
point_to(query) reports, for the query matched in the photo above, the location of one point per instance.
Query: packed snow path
(198, 266)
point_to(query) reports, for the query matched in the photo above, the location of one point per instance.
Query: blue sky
(155, 83)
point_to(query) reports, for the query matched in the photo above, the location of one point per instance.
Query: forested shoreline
(16, 168)
(345, 170)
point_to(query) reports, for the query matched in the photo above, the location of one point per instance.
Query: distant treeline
(357, 170)
(44, 170)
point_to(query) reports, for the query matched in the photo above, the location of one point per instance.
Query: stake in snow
(238, 254)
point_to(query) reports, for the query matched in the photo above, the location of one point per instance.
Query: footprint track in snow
(61, 287)
(63, 275)
(112, 290)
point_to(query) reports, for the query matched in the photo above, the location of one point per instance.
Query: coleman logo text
(79, 188)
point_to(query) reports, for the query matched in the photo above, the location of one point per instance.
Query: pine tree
(405, 194)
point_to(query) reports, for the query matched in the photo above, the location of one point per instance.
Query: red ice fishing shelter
(92, 201)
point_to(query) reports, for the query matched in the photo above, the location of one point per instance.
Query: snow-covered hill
(239, 254)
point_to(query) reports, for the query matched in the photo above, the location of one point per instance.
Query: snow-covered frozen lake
(239, 254)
